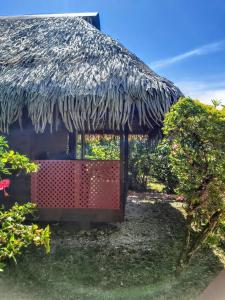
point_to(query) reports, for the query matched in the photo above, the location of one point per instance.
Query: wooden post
(75, 146)
(82, 145)
(72, 153)
(124, 153)
(122, 200)
(126, 160)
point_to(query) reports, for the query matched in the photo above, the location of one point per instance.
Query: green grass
(155, 186)
(89, 266)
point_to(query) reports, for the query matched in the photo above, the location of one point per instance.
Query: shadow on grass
(137, 260)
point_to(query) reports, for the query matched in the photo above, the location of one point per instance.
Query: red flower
(5, 183)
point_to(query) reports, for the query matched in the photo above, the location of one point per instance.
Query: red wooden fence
(76, 184)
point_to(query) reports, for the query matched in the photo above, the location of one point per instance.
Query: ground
(133, 260)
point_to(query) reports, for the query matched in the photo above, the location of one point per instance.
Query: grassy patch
(102, 265)
(155, 186)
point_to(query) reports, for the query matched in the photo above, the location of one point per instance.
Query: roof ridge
(53, 15)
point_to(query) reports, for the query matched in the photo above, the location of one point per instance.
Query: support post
(126, 161)
(82, 145)
(72, 153)
(122, 152)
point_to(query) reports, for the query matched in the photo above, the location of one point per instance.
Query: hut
(60, 79)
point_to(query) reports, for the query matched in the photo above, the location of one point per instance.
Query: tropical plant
(146, 163)
(196, 136)
(140, 165)
(162, 168)
(14, 234)
(103, 149)
(150, 164)
(216, 103)
(12, 162)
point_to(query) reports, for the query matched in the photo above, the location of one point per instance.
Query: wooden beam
(79, 215)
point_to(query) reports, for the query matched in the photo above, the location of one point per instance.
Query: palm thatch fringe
(64, 69)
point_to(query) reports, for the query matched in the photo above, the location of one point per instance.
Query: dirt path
(150, 218)
(216, 289)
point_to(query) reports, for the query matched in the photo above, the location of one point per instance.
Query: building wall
(52, 146)
(35, 146)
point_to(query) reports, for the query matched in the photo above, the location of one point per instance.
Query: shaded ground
(132, 260)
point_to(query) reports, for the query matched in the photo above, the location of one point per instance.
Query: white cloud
(207, 96)
(203, 50)
(204, 91)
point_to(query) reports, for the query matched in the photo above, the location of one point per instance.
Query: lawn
(133, 260)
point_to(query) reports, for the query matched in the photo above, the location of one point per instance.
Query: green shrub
(12, 162)
(140, 165)
(162, 168)
(103, 149)
(196, 136)
(14, 234)
(149, 164)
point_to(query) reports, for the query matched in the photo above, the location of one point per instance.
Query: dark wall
(36, 146)
(47, 145)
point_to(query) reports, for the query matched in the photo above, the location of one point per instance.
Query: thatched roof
(63, 68)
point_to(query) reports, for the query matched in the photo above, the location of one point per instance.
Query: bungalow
(61, 78)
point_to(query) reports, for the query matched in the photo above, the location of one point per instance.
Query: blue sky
(183, 40)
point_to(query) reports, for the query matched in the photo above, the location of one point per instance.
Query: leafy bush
(140, 165)
(103, 149)
(162, 168)
(14, 235)
(150, 164)
(13, 162)
(196, 136)
(146, 163)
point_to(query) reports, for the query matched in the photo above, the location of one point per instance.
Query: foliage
(216, 103)
(161, 166)
(156, 186)
(139, 155)
(103, 149)
(14, 234)
(196, 136)
(146, 163)
(13, 162)
(151, 165)
(139, 164)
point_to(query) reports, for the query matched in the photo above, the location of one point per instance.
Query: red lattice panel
(76, 184)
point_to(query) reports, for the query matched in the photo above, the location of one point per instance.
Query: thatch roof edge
(91, 82)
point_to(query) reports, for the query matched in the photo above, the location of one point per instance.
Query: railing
(76, 184)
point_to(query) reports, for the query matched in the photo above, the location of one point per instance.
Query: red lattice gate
(76, 184)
